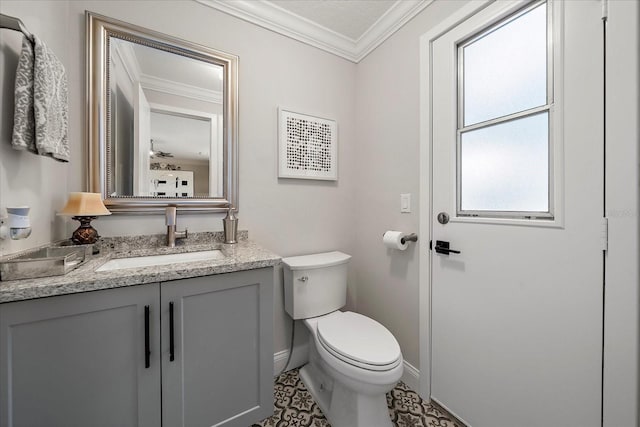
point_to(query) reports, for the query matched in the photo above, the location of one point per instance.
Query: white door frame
(424, 276)
(215, 141)
(621, 380)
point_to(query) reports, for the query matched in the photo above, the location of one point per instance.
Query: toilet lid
(359, 338)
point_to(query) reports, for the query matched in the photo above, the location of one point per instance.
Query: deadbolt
(443, 218)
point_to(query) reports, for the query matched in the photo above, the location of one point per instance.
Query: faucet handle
(182, 234)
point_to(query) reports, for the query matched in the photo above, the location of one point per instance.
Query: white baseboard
(279, 359)
(299, 358)
(410, 375)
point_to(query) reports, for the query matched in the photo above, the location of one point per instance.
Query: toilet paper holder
(413, 237)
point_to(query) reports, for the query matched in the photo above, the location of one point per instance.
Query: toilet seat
(359, 341)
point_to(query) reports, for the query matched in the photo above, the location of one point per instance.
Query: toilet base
(341, 406)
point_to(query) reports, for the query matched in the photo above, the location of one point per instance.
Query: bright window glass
(504, 133)
(505, 68)
(504, 167)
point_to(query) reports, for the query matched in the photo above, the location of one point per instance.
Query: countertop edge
(85, 279)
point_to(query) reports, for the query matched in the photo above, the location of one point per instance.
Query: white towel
(41, 103)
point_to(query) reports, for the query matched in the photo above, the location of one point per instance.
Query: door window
(504, 116)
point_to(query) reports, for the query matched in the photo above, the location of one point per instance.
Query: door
(217, 357)
(517, 166)
(79, 360)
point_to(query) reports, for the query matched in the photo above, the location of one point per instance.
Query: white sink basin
(151, 260)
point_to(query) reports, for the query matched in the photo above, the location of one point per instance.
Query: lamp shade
(84, 204)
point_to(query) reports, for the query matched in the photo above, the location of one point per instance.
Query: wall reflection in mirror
(166, 123)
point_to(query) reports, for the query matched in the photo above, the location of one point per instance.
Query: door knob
(443, 218)
(442, 247)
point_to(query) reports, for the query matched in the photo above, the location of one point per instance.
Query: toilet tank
(315, 284)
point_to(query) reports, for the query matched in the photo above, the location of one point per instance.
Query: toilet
(353, 360)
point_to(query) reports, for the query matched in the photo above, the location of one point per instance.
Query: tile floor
(294, 407)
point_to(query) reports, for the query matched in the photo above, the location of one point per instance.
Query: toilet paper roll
(393, 239)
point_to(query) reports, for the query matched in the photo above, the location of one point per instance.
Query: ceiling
(187, 138)
(158, 64)
(347, 28)
(347, 17)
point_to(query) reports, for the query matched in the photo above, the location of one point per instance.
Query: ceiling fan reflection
(158, 153)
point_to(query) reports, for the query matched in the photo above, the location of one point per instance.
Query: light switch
(405, 202)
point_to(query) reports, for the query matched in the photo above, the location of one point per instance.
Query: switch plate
(405, 202)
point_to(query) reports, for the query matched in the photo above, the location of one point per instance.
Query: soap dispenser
(230, 224)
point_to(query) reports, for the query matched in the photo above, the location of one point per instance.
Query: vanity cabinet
(222, 370)
(78, 360)
(190, 352)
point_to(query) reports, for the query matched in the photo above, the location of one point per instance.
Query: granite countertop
(244, 255)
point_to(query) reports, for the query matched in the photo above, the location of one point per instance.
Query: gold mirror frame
(99, 31)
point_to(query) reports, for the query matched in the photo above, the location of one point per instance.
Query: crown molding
(180, 89)
(275, 18)
(129, 61)
(392, 20)
(132, 68)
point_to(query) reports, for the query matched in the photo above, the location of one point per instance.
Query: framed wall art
(307, 146)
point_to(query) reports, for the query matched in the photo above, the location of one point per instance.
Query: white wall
(25, 178)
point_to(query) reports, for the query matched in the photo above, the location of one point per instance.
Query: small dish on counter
(44, 262)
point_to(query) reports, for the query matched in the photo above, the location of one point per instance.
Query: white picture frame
(307, 146)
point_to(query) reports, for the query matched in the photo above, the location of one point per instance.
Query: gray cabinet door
(79, 360)
(222, 372)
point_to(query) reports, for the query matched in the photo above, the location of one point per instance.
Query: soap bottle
(230, 224)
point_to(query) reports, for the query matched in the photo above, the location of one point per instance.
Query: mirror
(162, 120)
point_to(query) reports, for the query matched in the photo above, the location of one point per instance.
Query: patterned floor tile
(294, 407)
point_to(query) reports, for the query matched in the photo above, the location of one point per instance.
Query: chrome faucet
(171, 214)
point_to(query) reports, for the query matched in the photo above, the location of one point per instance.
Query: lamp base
(85, 234)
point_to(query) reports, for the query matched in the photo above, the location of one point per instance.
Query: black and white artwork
(308, 146)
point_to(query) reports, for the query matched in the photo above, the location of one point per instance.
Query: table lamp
(84, 207)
